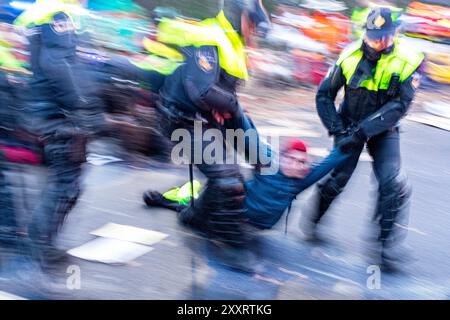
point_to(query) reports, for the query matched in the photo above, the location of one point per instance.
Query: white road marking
(330, 275)
(323, 152)
(431, 120)
(129, 233)
(411, 229)
(109, 211)
(294, 273)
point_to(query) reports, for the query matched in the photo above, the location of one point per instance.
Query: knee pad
(397, 188)
(393, 205)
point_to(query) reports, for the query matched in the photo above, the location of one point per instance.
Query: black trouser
(64, 153)
(393, 188)
(219, 210)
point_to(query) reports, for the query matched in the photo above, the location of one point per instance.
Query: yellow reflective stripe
(238, 63)
(158, 64)
(172, 194)
(185, 191)
(183, 195)
(404, 60)
(209, 32)
(349, 50)
(162, 50)
(410, 56)
(39, 13)
(42, 12)
(349, 60)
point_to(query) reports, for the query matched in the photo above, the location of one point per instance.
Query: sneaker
(156, 199)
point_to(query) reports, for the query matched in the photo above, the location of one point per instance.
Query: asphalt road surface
(185, 266)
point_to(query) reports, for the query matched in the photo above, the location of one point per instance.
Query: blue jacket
(268, 196)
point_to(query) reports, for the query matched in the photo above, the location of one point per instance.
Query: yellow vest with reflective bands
(209, 32)
(161, 58)
(42, 12)
(403, 60)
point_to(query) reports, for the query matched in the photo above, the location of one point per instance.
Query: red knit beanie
(296, 144)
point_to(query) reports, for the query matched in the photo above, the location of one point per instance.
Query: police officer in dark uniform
(203, 90)
(380, 76)
(54, 115)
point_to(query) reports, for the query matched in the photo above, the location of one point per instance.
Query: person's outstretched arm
(334, 159)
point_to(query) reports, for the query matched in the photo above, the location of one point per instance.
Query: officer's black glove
(339, 136)
(353, 140)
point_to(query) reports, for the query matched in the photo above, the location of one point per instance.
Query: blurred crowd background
(306, 37)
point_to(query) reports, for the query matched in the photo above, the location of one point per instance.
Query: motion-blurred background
(285, 70)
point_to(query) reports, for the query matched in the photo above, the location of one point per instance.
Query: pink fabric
(21, 155)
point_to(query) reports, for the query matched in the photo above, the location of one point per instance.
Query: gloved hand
(339, 136)
(351, 141)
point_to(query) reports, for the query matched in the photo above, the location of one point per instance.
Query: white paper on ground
(109, 251)
(100, 160)
(129, 233)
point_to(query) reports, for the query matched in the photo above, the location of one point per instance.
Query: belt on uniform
(176, 114)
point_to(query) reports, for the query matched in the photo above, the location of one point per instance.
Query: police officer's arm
(325, 98)
(57, 59)
(389, 114)
(201, 74)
